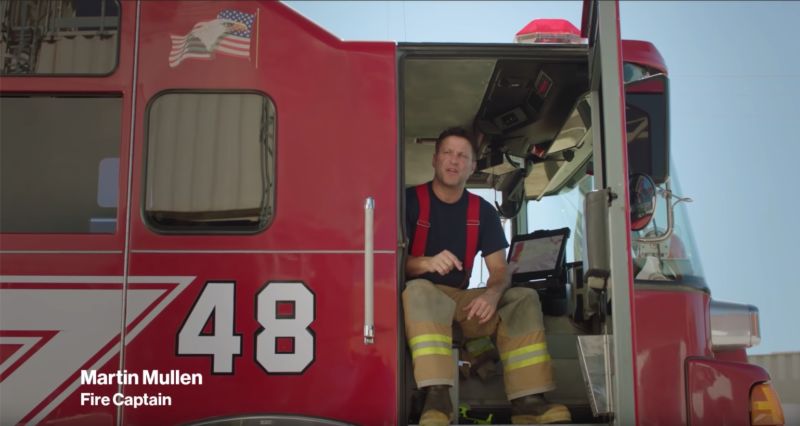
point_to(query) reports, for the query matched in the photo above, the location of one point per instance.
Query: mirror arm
(670, 219)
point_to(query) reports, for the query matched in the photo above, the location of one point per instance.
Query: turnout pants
(430, 310)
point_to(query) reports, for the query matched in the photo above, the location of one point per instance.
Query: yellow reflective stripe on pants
(430, 344)
(527, 361)
(430, 338)
(431, 351)
(525, 356)
(523, 350)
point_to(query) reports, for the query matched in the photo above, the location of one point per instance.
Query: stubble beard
(458, 183)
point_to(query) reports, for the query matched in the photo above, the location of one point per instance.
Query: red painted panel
(75, 411)
(677, 369)
(719, 392)
(733, 355)
(31, 341)
(336, 138)
(644, 53)
(336, 144)
(670, 326)
(67, 264)
(653, 86)
(66, 315)
(346, 380)
(7, 350)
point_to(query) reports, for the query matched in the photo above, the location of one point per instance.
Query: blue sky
(734, 89)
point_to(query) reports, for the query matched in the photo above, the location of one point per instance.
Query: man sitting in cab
(448, 226)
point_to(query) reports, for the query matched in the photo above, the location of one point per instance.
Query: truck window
(59, 158)
(67, 37)
(210, 162)
(563, 210)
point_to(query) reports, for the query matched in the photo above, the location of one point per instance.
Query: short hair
(462, 133)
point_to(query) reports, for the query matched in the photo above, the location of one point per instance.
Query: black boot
(534, 409)
(438, 409)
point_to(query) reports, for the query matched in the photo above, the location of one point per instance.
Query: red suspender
(423, 225)
(423, 222)
(473, 223)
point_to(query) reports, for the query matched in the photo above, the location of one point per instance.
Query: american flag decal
(228, 34)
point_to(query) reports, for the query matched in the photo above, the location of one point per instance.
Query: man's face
(453, 163)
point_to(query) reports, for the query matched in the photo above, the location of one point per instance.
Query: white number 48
(284, 344)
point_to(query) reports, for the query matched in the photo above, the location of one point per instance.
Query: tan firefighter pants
(430, 310)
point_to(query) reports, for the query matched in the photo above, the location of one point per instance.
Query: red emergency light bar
(550, 31)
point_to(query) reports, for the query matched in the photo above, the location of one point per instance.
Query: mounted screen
(539, 255)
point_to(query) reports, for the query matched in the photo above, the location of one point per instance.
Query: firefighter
(449, 226)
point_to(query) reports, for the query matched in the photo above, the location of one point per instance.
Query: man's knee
(418, 291)
(521, 311)
(418, 284)
(521, 295)
(425, 302)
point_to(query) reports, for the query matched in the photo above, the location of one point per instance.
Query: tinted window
(59, 37)
(59, 158)
(646, 116)
(210, 162)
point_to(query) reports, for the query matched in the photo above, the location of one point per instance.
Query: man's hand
(484, 306)
(443, 263)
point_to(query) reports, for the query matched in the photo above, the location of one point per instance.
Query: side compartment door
(259, 138)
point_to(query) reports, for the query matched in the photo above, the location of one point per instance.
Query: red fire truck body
(179, 315)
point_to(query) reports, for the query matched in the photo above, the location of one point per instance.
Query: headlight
(734, 325)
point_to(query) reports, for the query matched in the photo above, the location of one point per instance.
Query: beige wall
(784, 369)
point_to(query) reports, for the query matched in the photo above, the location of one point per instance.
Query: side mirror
(642, 191)
(647, 127)
(668, 196)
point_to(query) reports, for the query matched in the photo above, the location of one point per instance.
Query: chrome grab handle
(369, 275)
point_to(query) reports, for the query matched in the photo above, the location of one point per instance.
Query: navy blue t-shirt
(449, 231)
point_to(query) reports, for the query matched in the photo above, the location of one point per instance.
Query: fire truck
(202, 220)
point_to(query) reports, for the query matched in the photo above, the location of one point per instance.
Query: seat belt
(424, 225)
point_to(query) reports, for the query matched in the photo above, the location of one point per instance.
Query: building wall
(784, 369)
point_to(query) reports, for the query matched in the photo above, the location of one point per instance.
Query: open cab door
(609, 244)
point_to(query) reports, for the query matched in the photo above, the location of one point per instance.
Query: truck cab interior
(521, 105)
(529, 108)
